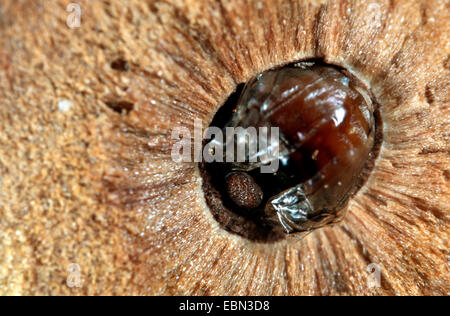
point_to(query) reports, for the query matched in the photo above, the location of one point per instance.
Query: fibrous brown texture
(88, 185)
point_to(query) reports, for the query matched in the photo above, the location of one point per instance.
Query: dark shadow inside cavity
(232, 218)
(120, 106)
(120, 64)
(250, 224)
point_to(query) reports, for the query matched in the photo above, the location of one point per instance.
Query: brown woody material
(96, 186)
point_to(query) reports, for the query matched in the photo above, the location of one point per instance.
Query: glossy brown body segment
(326, 124)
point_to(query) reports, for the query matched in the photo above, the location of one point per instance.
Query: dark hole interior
(120, 106)
(120, 64)
(234, 219)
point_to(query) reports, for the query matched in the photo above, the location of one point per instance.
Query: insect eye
(301, 137)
